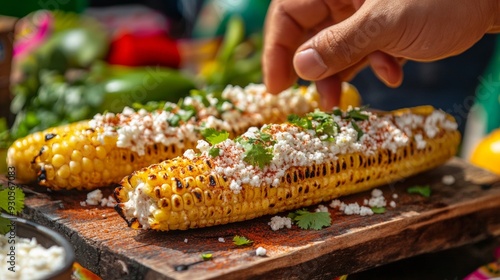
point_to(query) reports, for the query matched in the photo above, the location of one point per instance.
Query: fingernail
(309, 64)
(383, 74)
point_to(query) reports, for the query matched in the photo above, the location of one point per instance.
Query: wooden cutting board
(465, 212)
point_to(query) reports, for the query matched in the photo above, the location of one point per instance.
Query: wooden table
(462, 213)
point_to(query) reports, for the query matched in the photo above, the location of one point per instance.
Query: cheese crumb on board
(278, 223)
(261, 251)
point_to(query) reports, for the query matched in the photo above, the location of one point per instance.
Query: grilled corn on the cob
(286, 166)
(101, 151)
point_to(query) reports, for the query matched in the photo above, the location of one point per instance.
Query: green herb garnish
(206, 256)
(358, 130)
(357, 114)
(423, 190)
(258, 150)
(150, 106)
(378, 210)
(303, 122)
(214, 136)
(174, 120)
(11, 202)
(241, 240)
(214, 152)
(311, 220)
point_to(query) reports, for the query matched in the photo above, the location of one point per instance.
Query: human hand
(329, 41)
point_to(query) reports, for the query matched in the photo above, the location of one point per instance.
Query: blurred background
(66, 60)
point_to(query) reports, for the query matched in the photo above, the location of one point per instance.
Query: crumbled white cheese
(335, 203)
(240, 107)
(189, 154)
(448, 180)
(139, 205)
(31, 261)
(94, 197)
(221, 240)
(278, 222)
(185, 240)
(321, 208)
(392, 204)
(395, 196)
(365, 211)
(377, 193)
(352, 208)
(261, 251)
(421, 143)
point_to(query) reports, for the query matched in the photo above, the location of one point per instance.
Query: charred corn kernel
(135, 139)
(304, 167)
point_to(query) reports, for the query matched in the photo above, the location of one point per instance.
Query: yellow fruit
(487, 153)
(349, 96)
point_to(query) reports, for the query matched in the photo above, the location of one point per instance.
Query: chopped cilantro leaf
(214, 136)
(258, 154)
(4, 225)
(265, 137)
(424, 190)
(311, 220)
(357, 115)
(150, 106)
(303, 122)
(241, 240)
(174, 120)
(12, 202)
(358, 130)
(206, 256)
(187, 112)
(214, 152)
(320, 116)
(337, 112)
(378, 210)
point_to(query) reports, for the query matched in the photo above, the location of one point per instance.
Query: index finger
(286, 28)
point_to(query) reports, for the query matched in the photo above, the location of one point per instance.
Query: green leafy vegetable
(214, 136)
(357, 114)
(303, 122)
(311, 220)
(214, 152)
(324, 124)
(258, 154)
(150, 106)
(206, 256)
(358, 130)
(4, 225)
(424, 190)
(241, 240)
(378, 210)
(174, 120)
(12, 201)
(259, 150)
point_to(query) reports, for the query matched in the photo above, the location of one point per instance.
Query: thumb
(340, 46)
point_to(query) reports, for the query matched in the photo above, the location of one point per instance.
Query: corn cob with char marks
(286, 166)
(101, 151)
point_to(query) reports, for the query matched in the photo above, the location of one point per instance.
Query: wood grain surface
(462, 213)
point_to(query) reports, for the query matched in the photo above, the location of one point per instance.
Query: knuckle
(332, 44)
